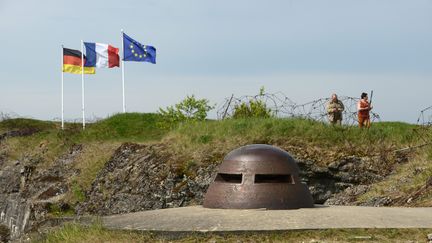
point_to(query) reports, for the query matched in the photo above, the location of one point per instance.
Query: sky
(307, 49)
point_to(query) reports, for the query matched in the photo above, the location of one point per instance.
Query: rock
(4, 233)
(25, 193)
(377, 202)
(348, 196)
(366, 237)
(418, 170)
(9, 180)
(144, 180)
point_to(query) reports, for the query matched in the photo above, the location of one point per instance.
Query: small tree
(188, 109)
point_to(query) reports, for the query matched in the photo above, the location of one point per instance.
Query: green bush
(255, 108)
(189, 109)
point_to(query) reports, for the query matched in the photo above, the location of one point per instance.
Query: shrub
(253, 108)
(189, 109)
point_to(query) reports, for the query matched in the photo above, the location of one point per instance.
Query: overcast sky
(306, 49)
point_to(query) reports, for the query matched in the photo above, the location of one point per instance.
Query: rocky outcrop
(325, 183)
(141, 177)
(14, 209)
(26, 193)
(14, 213)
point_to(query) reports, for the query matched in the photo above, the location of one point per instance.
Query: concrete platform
(197, 218)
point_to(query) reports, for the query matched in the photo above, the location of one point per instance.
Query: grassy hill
(194, 141)
(209, 141)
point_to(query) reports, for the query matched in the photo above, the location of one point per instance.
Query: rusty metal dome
(258, 176)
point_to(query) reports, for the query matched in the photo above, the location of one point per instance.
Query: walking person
(335, 108)
(363, 108)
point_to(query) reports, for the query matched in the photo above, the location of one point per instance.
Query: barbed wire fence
(424, 125)
(282, 106)
(425, 117)
(278, 103)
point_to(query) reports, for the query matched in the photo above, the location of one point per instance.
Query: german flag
(72, 62)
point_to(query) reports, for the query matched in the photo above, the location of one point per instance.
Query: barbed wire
(425, 117)
(278, 103)
(424, 122)
(282, 106)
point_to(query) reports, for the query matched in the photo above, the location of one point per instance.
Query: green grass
(56, 211)
(137, 127)
(140, 127)
(97, 233)
(270, 130)
(223, 136)
(24, 123)
(121, 127)
(51, 141)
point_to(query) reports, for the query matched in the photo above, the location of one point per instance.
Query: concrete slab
(197, 218)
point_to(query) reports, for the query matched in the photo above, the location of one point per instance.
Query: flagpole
(82, 84)
(62, 102)
(122, 68)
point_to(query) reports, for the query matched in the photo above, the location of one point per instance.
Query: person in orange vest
(363, 108)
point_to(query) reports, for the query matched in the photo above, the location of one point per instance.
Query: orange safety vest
(364, 113)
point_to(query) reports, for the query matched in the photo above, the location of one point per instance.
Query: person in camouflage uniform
(335, 108)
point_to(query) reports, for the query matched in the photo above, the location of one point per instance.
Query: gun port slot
(229, 178)
(271, 178)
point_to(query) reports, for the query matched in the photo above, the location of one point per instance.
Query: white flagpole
(82, 83)
(122, 68)
(62, 77)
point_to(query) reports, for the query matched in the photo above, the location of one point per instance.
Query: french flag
(101, 55)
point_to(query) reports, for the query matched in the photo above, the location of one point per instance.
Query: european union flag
(136, 52)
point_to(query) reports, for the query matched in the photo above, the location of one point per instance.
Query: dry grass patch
(92, 159)
(407, 184)
(46, 147)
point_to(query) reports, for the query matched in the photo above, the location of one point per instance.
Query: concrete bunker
(258, 176)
